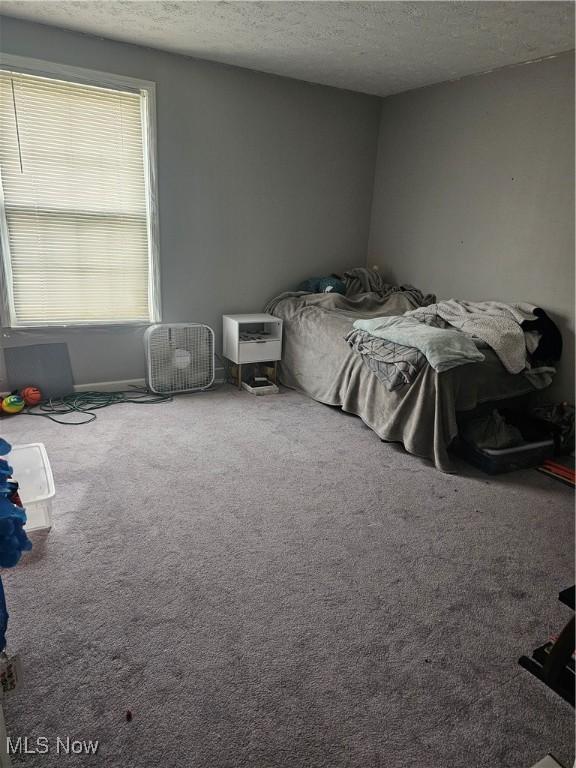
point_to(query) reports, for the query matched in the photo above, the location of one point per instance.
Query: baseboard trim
(115, 386)
(110, 386)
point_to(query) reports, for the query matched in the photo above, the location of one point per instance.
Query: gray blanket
(497, 324)
(394, 364)
(317, 360)
(443, 348)
(364, 280)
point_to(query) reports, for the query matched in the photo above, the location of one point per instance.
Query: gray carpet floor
(264, 583)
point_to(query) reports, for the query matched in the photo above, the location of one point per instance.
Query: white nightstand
(251, 339)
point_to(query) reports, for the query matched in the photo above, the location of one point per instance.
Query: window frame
(147, 90)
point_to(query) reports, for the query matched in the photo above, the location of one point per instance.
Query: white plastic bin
(33, 473)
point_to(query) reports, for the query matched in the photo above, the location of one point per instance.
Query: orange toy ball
(31, 395)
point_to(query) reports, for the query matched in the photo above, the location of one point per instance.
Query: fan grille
(180, 357)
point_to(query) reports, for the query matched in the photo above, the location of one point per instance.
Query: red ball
(31, 395)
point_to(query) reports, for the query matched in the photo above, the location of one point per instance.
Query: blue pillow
(322, 285)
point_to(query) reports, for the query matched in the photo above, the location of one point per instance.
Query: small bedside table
(252, 339)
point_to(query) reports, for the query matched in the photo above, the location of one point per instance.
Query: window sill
(81, 326)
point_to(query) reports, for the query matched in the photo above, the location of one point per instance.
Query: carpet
(262, 582)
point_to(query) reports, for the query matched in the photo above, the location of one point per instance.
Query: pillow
(444, 348)
(322, 285)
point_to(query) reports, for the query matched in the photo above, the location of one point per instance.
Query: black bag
(560, 420)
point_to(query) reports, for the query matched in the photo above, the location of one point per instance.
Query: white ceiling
(374, 47)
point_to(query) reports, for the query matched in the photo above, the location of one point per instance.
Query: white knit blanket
(493, 322)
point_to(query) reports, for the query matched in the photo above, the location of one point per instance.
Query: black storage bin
(538, 447)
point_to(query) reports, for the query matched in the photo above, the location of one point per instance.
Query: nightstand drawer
(259, 351)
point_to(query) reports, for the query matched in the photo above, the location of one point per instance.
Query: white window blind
(75, 199)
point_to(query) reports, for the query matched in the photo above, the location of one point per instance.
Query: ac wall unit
(179, 357)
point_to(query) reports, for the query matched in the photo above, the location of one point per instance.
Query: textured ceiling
(373, 47)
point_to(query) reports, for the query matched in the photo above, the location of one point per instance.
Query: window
(76, 202)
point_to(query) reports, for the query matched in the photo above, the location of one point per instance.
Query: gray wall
(474, 191)
(263, 181)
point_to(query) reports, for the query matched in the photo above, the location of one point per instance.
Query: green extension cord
(85, 403)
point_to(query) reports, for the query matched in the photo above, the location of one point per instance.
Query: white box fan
(179, 357)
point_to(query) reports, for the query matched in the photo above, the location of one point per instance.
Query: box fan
(179, 357)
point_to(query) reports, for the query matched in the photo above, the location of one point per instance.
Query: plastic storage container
(33, 474)
(493, 461)
(538, 446)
